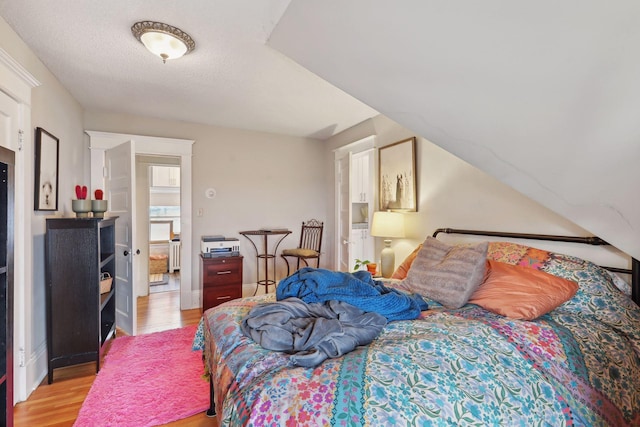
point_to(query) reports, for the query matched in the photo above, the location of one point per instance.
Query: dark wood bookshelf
(80, 319)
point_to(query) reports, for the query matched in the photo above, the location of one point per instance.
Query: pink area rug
(147, 380)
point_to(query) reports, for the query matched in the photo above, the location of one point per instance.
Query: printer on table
(219, 246)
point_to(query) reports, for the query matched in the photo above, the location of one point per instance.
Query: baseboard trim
(37, 368)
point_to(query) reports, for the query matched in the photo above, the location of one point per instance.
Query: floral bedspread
(578, 365)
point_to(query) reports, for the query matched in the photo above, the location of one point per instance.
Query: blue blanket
(358, 289)
(311, 333)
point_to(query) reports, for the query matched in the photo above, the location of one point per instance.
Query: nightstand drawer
(221, 272)
(219, 294)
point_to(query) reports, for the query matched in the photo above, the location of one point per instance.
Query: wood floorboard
(58, 404)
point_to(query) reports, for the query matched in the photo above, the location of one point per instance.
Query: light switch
(200, 212)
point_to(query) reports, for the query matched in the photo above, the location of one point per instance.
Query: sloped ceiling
(545, 95)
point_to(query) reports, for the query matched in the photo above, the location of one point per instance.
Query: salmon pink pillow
(401, 271)
(521, 293)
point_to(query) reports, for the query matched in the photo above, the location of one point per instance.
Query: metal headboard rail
(591, 240)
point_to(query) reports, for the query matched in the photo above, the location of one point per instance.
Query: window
(161, 214)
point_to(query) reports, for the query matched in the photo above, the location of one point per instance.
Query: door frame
(364, 144)
(343, 212)
(151, 145)
(17, 82)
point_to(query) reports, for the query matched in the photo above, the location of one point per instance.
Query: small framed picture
(46, 171)
(397, 166)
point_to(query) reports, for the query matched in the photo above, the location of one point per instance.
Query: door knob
(126, 253)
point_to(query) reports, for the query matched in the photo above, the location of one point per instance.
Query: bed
(575, 363)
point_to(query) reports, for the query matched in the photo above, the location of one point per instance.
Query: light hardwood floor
(58, 404)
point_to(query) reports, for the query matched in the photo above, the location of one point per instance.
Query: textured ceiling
(231, 79)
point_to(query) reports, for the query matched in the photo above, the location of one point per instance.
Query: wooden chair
(309, 247)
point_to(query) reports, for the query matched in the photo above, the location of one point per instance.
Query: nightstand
(221, 280)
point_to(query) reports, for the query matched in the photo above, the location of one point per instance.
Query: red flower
(304, 416)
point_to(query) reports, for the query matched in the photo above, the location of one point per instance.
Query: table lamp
(387, 225)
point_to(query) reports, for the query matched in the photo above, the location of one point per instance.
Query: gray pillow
(447, 274)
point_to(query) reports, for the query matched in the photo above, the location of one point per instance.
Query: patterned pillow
(447, 274)
(520, 292)
(517, 254)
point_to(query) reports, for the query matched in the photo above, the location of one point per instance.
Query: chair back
(311, 235)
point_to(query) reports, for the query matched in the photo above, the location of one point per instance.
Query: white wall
(452, 193)
(261, 180)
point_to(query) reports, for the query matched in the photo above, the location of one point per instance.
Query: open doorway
(355, 178)
(158, 201)
(100, 143)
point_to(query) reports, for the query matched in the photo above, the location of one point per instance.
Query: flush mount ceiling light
(166, 41)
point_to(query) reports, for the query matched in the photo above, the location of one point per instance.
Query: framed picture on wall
(46, 171)
(397, 166)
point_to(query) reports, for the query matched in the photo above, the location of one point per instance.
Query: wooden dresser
(221, 280)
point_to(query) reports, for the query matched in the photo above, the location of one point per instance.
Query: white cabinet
(165, 176)
(361, 246)
(362, 177)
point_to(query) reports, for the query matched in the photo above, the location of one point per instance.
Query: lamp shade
(387, 224)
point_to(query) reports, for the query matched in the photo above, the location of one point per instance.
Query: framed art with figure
(46, 171)
(397, 166)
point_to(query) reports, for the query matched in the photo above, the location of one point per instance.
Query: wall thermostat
(210, 193)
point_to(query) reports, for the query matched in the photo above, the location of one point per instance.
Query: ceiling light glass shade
(163, 40)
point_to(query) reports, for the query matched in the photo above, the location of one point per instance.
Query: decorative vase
(81, 207)
(98, 207)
